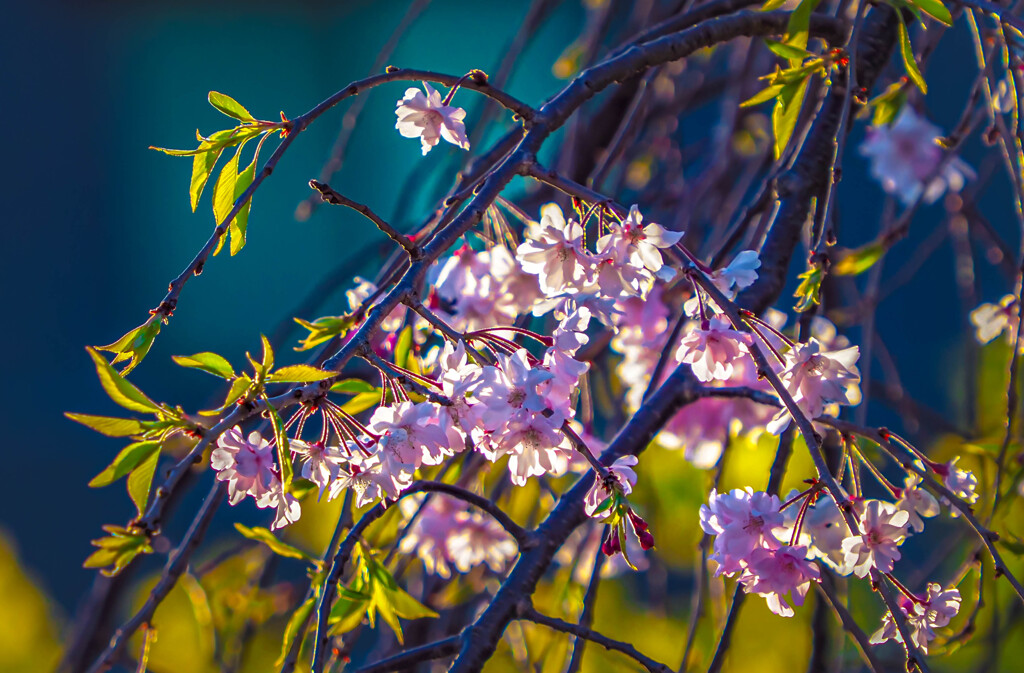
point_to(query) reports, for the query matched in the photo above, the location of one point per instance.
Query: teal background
(95, 224)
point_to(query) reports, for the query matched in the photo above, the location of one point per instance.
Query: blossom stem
(893, 491)
(543, 340)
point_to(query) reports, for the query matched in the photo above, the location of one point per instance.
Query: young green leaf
(404, 347)
(268, 538)
(240, 224)
(268, 355)
(907, 51)
(229, 106)
(224, 188)
(787, 112)
(809, 288)
(118, 549)
(362, 402)
(120, 390)
(934, 9)
(324, 329)
(284, 454)
(140, 480)
(204, 162)
(763, 95)
(111, 427)
(211, 363)
(859, 260)
(126, 461)
(291, 631)
(787, 51)
(134, 345)
(887, 105)
(353, 387)
(798, 30)
(299, 374)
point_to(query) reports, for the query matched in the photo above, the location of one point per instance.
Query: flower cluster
(429, 118)
(247, 464)
(923, 615)
(743, 523)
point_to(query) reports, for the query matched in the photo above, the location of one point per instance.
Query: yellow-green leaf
(109, 426)
(284, 454)
(763, 95)
(211, 363)
(121, 391)
(229, 106)
(859, 260)
(268, 538)
(934, 9)
(240, 224)
(907, 51)
(787, 112)
(299, 374)
(291, 631)
(126, 461)
(353, 387)
(141, 479)
(362, 402)
(798, 29)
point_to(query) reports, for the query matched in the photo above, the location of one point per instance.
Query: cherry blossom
(923, 616)
(711, 351)
(410, 431)
(428, 118)
(883, 528)
(816, 377)
(917, 502)
(373, 476)
(247, 465)
(905, 154)
(555, 253)
(621, 473)
(822, 531)
(774, 573)
(742, 521)
(321, 462)
(477, 538)
(961, 482)
(636, 244)
(534, 444)
(509, 387)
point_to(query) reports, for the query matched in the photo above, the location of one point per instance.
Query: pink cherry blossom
(321, 462)
(621, 472)
(429, 119)
(961, 482)
(477, 538)
(741, 522)
(917, 502)
(379, 475)
(509, 387)
(822, 531)
(774, 573)
(246, 464)
(711, 352)
(816, 377)
(410, 431)
(883, 528)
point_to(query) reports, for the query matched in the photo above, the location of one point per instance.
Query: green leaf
(772, 4)
(126, 461)
(229, 106)
(859, 260)
(362, 402)
(238, 388)
(211, 363)
(809, 288)
(240, 224)
(268, 355)
(224, 188)
(787, 51)
(111, 427)
(291, 631)
(299, 374)
(324, 329)
(120, 390)
(353, 387)
(887, 105)
(284, 454)
(907, 51)
(204, 162)
(934, 9)
(134, 345)
(787, 112)
(268, 538)
(404, 347)
(798, 29)
(763, 95)
(118, 549)
(140, 480)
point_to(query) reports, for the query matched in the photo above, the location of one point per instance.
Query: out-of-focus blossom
(991, 319)
(905, 154)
